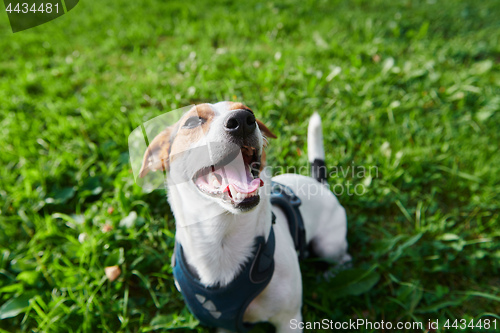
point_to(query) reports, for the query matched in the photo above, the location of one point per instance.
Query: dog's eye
(193, 122)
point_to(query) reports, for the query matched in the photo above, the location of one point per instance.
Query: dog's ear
(263, 128)
(156, 156)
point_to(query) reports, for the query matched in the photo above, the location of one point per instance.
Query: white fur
(315, 148)
(218, 246)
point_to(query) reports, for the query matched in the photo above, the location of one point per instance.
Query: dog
(220, 193)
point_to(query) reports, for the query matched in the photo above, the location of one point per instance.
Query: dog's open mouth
(236, 182)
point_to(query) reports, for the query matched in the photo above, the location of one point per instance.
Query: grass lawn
(410, 88)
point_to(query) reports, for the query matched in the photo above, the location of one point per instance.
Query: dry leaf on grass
(112, 272)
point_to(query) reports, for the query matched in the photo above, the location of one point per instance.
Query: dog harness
(283, 197)
(224, 306)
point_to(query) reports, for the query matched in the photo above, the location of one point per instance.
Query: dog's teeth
(212, 179)
(233, 191)
(239, 196)
(216, 183)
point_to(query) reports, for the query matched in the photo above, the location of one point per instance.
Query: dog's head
(216, 151)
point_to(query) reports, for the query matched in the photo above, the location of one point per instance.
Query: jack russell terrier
(239, 231)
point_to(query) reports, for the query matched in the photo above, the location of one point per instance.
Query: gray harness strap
(283, 197)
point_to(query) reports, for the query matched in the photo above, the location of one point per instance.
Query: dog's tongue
(240, 177)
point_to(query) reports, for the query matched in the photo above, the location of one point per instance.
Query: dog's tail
(315, 148)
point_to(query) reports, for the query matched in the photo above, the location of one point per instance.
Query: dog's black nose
(240, 123)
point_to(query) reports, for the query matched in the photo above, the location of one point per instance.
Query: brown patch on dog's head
(176, 139)
(238, 106)
(156, 156)
(189, 133)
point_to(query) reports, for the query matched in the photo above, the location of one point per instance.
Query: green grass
(410, 87)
